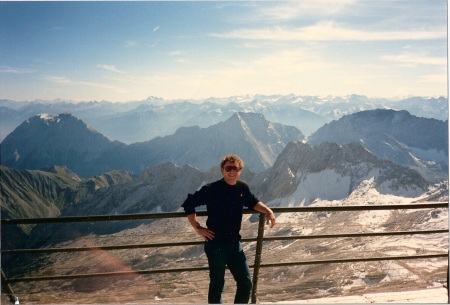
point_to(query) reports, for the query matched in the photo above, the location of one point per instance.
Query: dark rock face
(44, 140)
(408, 129)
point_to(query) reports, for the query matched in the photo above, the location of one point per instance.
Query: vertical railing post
(259, 244)
(9, 291)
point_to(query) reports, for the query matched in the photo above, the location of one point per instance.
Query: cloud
(250, 45)
(288, 10)
(174, 53)
(412, 59)
(329, 31)
(155, 29)
(278, 69)
(131, 43)
(372, 66)
(64, 80)
(110, 68)
(5, 69)
(434, 78)
(58, 79)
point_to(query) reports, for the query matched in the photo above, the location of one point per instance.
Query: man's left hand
(270, 217)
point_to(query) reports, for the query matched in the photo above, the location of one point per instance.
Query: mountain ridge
(405, 139)
(46, 140)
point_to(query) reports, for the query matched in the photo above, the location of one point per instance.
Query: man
(225, 200)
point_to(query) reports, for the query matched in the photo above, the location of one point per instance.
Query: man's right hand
(205, 233)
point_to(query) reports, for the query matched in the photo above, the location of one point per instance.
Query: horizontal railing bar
(105, 274)
(191, 243)
(95, 248)
(431, 205)
(146, 216)
(370, 234)
(354, 260)
(95, 218)
(179, 270)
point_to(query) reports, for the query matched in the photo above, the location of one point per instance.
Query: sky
(124, 51)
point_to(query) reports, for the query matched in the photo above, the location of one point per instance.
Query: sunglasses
(229, 168)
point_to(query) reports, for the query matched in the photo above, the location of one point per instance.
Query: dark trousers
(231, 255)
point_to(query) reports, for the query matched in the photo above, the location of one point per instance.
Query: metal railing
(259, 242)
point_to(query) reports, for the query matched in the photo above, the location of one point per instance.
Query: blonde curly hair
(231, 158)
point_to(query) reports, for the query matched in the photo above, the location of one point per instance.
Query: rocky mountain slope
(249, 135)
(44, 193)
(407, 140)
(300, 176)
(65, 140)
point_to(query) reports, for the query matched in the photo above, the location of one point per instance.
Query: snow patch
(46, 116)
(373, 217)
(326, 184)
(16, 155)
(157, 210)
(430, 154)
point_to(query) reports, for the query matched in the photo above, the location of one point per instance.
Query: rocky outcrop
(303, 173)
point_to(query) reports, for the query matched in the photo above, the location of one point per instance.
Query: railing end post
(259, 244)
(12, 297)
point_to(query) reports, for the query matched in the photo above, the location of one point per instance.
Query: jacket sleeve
(194, 200)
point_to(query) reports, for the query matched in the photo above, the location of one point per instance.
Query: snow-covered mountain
(415, 142)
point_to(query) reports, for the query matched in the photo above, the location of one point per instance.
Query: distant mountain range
(140, 121)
